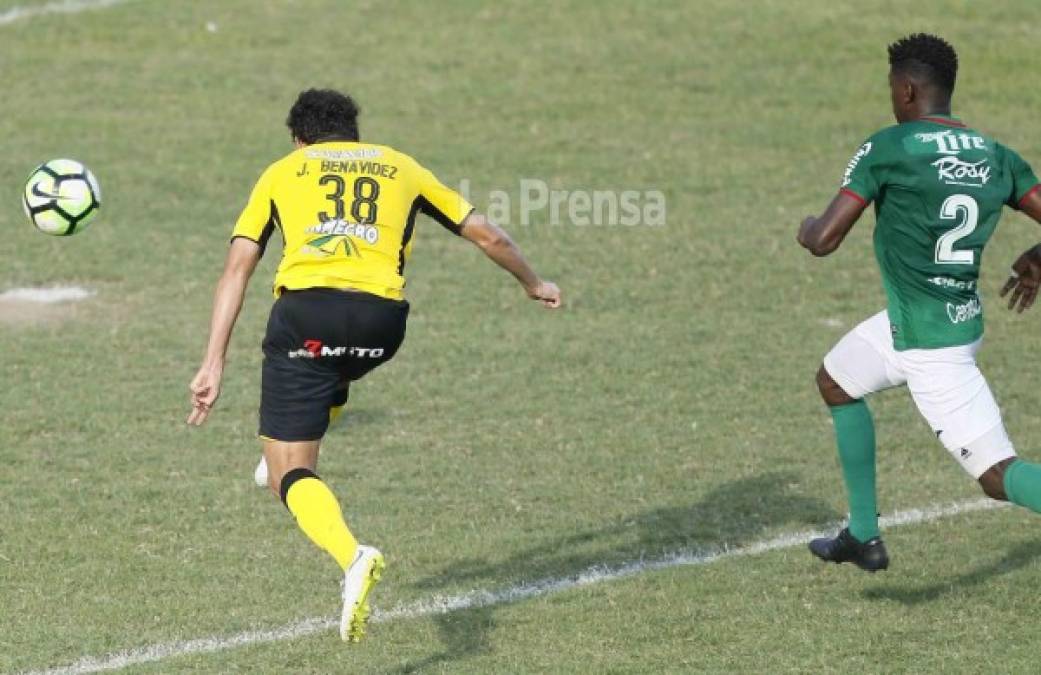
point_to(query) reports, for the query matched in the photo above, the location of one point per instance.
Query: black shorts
(319, 340)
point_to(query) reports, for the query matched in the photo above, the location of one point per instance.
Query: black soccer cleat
(844, 547)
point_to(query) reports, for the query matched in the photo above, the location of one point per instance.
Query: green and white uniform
(938, 188)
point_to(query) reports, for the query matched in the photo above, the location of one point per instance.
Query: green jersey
(938, 188)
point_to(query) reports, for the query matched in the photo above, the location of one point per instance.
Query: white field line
(48, 295)
(438, 605)
(17, 13)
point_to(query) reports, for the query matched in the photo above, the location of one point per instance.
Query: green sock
(1023, 484)
(855, 434)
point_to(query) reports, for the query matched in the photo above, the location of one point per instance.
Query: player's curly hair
(927, 56)
(323, 115)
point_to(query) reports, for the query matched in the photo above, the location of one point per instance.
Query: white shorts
(948, 388)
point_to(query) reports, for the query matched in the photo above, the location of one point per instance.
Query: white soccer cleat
(260, 473)
(358, 580)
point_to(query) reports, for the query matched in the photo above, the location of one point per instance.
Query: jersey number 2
(954, 207)
(366, 190)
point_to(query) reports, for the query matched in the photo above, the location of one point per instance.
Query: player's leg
(954, 397)
(855, 438)
(374, 331)
(291, 470)
(343, 393)
(993, 481)
(291, 466)
(369, 333)
(294, 406)
(860, 364)
(261, 475)
(1017, 481)
(298, 389)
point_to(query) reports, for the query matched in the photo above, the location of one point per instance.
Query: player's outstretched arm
(822, 236)
(242, 258)
(1025, 279)
(498, 246)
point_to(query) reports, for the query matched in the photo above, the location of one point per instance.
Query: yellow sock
(318, 514)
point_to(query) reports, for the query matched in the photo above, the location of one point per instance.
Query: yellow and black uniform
(347, 214)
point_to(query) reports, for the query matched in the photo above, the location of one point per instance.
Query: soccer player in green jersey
(938, 186)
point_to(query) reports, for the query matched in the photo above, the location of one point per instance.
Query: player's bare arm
(498, 246)
(241, 260)
(822, 235)
(1025, 279)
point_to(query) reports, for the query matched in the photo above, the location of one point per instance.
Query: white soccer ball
(61, 197)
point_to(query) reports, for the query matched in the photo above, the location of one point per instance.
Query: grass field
(670, 406)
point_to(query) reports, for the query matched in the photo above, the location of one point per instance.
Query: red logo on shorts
(314, 349)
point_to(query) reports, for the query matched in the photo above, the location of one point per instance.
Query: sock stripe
(292, 476)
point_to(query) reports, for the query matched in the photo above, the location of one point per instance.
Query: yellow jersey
(347, 215)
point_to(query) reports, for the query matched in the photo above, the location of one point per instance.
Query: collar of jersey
(946, 120)
(333, 139)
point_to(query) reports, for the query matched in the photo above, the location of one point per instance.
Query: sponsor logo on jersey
(957, 284)
(951, 143)
(345, 228)
(314, 349)
(954, 171)
(355, 153)
(860, 154)
(337, 235)
(964, 312)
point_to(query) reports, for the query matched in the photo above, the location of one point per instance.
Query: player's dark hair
(323, 115)
(928, 57)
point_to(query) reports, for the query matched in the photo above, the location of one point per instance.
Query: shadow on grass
(732, 515)
(463, 634)
(1017, 558)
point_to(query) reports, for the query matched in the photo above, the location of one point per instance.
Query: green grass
(670, 405)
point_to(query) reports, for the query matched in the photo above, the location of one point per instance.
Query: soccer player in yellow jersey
(346, 211)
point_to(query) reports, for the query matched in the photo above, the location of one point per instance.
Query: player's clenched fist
(547, 293)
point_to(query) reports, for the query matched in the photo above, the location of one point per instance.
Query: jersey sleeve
(440, 202)
(860, 179)
(1023, 179)
(257, 220)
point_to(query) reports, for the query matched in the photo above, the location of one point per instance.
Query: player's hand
(205, 388)
(1024, 280)
(547, 293)
(804, 228)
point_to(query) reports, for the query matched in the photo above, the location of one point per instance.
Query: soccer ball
(61, 197)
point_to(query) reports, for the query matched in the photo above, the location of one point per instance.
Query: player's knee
(830, 391)
(993, 487)
(823, 380)
(993, 480)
